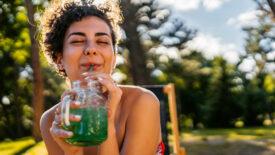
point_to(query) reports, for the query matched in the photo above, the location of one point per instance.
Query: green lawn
(243, 141)
(16, 147)
(24, 146)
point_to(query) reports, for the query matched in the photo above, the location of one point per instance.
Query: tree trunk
(37, 98)
(137, 56)
(18, 106)
(272, 6)
(7, 129)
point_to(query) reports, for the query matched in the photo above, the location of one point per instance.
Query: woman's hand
(110, 146)
(114, 92)
(57, 131)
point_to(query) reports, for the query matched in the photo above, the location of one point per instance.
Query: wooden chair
(160, 91)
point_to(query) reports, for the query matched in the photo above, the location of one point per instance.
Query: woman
(76, 35)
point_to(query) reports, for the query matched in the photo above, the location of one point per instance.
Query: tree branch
(272, 6)
(261, 7)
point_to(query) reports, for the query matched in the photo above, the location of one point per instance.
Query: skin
(133, 112)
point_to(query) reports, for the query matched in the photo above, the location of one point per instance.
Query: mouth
(86, 67)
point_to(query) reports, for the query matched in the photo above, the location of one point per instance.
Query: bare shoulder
(137, 97)
(142, 122)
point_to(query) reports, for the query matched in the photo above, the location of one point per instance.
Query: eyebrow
(102, 34)
(82, 34)
(76, 33)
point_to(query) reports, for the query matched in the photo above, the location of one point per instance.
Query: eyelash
(77, 41)
(103, 42)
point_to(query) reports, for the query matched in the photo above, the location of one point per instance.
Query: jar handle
(67, 112)
(65, 108)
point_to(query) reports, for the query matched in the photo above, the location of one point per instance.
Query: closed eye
(77, 41)
(103, 42)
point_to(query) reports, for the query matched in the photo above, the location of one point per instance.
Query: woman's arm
(45, 125)
(143, 126)
(110, 146)
(53, 135)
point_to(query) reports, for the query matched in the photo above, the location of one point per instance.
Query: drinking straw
(91, 68)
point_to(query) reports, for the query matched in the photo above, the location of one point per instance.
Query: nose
(89, 51)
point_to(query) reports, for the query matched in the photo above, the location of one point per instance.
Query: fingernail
(85, 73)
(69, 133)
(77, 102)
(99, 78)
(77, 116)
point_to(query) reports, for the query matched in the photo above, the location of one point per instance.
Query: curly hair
(61, 14)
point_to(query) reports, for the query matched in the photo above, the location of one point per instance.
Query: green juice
(91, 130)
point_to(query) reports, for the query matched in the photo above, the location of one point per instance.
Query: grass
(231, 134)
(17, 146)
(39, 148)
(241, 141)
(23, 146)
(235, 141)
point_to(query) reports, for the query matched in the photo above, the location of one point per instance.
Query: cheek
(111, 63)
(71, 54)
(71, 60)
(108, 61)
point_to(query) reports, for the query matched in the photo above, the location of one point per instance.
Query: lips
(86, 66)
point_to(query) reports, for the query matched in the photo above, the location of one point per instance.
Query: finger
(87, 74)
(61, 118)
(60, 104)
(66, 93)
(60, 133)
(109, 112)
(75, 104)
(57, 109)
(100, 77)
(75, 118)
(97, 75)
(112, 88)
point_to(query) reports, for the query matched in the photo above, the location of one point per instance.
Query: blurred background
(220, 55)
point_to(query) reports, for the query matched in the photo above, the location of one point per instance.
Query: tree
(14, 59)
(144, 27)
(38, 98)
(150, 33)
(266, 5)
(191, 75)
(137, 55)
(222, 105)
(258, 46)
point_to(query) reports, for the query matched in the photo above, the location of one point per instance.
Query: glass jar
(92, 128)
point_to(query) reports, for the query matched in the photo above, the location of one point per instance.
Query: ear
(59, 62)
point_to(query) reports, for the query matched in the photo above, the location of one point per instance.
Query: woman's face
(90, 34)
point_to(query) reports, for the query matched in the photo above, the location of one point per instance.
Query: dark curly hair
(61, 14)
